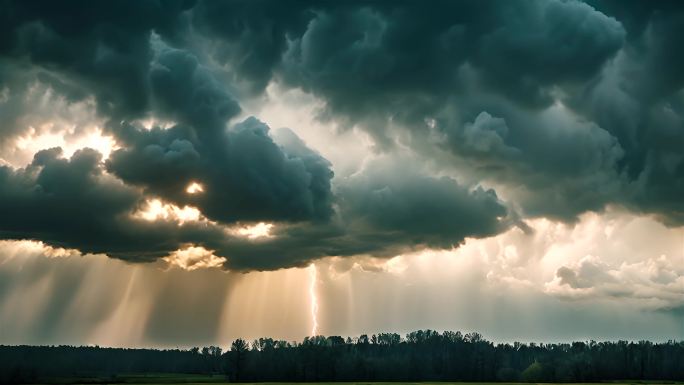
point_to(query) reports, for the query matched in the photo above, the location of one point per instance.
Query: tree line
(423, 355)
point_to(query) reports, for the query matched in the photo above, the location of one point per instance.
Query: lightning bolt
(314, 300)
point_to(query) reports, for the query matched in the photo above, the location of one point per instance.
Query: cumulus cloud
(193, 258)
(615, 257)
(656, 283)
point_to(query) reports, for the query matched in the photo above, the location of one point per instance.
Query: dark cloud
(404, 53)
(132, 74)
(104, 47)
(451, 62)
(245, 174)
(73, 203)
(80, 50)
(389, 208)
(506, 61)
(186, 92)
(555, 163)
(15, 90)
(562, 106)
(252, 34)
(393, 199)
(639, 100)
(614, 66)
(246, 177)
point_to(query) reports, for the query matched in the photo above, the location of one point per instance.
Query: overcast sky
(178, 173)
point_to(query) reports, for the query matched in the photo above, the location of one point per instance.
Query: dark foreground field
(188, 379)
(219, 379)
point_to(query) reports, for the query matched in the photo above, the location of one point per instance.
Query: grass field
(409, 383)
(190, 382)
(189, 379)
(636, 382)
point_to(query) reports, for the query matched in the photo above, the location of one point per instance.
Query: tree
(238, 351)
(533, 373)
(507, 375)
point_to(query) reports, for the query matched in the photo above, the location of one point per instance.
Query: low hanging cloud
(392, 198)
(482, 115)
(73, 203)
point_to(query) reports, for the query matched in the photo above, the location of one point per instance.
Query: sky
(182, 173)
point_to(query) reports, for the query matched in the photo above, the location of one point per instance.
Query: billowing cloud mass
(481, 117)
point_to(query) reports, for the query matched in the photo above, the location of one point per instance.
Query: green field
(407, 383)
(420, 383)
(220, 379)
(189, 381)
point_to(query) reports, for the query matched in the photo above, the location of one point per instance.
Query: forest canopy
(422, 355)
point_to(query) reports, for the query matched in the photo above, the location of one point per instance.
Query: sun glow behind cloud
(194, 188)
(155, 210)
(259, 230)
(94, 138)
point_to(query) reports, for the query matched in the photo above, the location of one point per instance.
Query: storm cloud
(482, 115)
(590, 93)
